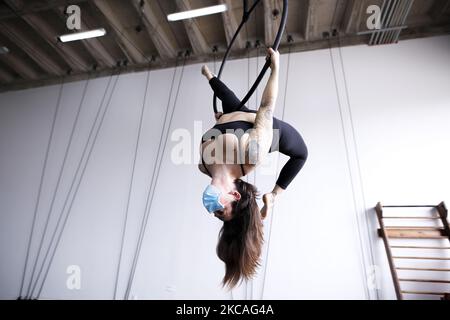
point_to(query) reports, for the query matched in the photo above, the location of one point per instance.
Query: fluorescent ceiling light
(197, 12)
(3, 50)
(82, 35)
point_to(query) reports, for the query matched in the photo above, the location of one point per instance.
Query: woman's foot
(207, 73)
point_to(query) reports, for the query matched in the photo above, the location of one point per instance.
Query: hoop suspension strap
(275, 46)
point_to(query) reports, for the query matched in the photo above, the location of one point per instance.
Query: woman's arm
(270, 93)
(260, 138)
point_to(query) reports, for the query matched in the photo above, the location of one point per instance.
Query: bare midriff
(229, 140)
(237, 116)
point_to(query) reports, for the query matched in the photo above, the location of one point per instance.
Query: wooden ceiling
(139, 36)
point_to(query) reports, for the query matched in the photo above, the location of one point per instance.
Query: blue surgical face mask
(211, 197)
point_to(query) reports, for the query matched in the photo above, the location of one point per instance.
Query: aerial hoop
(275, 46)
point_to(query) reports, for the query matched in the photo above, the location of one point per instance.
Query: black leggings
(290, 141)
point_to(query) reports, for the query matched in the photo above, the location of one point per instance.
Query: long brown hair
(241, 238)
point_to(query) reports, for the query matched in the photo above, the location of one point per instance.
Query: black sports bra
(235, 127)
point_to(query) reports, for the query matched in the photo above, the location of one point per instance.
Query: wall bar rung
(423, 269)
(388, 233)
(420, 247)
(419, 258)
(425, 293)
(418, 218)
(425, 280)
(411, 206)
(413, 228)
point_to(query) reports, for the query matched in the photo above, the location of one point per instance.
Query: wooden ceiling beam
(46, 32)
(301, 46)
(158, 35)
(38, 55)
(352, 16)
(196, 38)
(98, 51)
(307, 19)
(22, 68)
(6, 76)
(68, 54)
(93, 46)
(134, 54)
(230, 26)
(270, 26)
(33, 7)
(439, 10)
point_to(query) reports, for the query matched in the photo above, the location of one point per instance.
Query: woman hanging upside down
(233, 148)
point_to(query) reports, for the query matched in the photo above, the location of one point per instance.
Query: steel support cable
(125, 221)
(278, 172)
(340, 108)
(247, 46)
(61, 170)
(257, 45)
(214, 57)
(254, 172)
(34, 215)
(154, 181)
(80, 167)
(155, 175)
(348, 164)
(41, 182)
(39, 192)
(358, 163)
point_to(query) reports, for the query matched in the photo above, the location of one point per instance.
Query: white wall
(399, 107)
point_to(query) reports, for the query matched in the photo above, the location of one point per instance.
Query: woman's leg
(230, 103)
(291, 144)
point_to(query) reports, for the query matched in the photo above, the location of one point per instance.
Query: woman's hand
(269, 201)
(274, 57)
